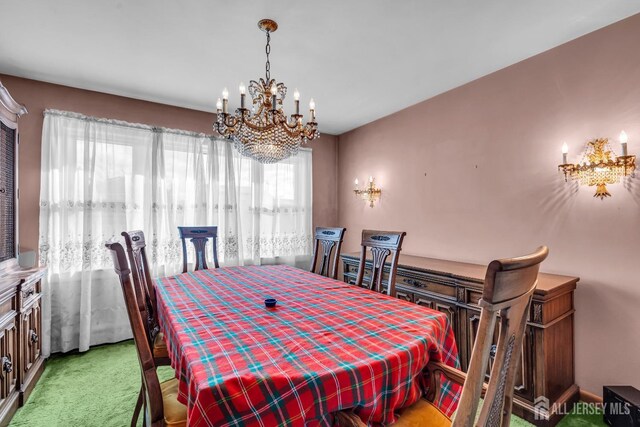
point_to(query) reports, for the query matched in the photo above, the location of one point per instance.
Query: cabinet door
(7, 192)
(524, 374)
(8, 353)
(402, 294)
(448, 308)
(31, 325)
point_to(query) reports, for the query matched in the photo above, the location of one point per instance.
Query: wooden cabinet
(21, 362)
(546, 368)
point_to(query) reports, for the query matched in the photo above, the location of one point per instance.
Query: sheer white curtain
(101, 177)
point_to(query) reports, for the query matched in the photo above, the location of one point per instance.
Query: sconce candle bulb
(623, 141)
(565, 151)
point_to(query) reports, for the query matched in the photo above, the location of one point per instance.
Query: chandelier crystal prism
(264, 132)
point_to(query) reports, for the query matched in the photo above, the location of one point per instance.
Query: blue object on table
(270, 302)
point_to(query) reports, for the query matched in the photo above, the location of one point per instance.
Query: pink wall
(471, 175)
(38, 96)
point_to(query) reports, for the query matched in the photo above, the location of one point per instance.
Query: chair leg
(136, 411)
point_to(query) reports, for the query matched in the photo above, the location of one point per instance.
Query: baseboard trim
(589, 397)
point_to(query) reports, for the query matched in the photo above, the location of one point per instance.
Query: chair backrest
(143, 284)
(199, 237)
(329, 239)
(153, 394)
(382, 244)
(508, 290)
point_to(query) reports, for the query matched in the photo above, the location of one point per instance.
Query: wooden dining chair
(161, 406)
(508, 288)
(146, 301)
(381, 244)
(145, 293)
(199, 237)
(329, 239)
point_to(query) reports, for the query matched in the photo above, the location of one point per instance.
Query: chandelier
(264, 132)
(600, 166)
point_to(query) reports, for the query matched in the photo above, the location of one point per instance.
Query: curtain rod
(122, 123)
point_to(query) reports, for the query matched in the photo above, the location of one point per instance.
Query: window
(101, 177)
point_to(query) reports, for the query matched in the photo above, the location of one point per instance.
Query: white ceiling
(359, 59)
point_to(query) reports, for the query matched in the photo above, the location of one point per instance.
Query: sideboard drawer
(443, 290)
(30, 292)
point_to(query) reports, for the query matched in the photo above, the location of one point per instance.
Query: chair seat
(422, 413)
(175, 413)
(160, 347)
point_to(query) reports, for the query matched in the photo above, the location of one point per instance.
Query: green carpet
(100, 387)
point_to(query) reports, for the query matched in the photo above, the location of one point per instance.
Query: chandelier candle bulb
(296, 98)
(623, 141)
(565, 151)
(225, 100)
(219, 105)
(312, 110)
(274, 92)
(242, 94)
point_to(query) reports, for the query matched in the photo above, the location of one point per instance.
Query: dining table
(326, 346)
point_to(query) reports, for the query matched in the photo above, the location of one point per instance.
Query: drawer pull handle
(415, 283)
(33, 336)
(30, 292)
(7, 365)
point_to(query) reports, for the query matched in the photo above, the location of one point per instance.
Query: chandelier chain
(267, 50)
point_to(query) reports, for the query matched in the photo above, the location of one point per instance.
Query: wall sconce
(600, 166)
(371, 193)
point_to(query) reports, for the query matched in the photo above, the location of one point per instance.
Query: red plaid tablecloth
(327, 346)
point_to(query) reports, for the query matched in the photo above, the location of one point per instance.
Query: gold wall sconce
(370, 193)
(600, 165)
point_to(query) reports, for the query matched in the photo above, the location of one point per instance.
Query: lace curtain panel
(101, 177)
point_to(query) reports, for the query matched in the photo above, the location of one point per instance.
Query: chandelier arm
(259, 128)
(230, 121)
(292, 125)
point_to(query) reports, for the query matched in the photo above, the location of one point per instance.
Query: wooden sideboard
(21, 361)
(454, 288)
